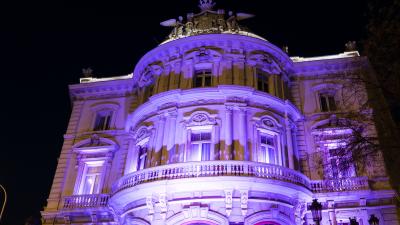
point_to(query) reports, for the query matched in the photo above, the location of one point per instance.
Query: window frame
(81, 179)
(108, 115)
(259, 73)
(329, 98)
(200, 144)
(205, 73)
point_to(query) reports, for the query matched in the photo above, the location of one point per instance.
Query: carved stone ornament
(200, 119)
(150, 205)
(147, 76)
(268, 123)
(228, 201)
(244, 199)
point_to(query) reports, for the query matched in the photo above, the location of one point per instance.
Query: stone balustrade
(86, 201)
(211, 169)
(337, 185)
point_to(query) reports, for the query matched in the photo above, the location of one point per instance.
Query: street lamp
(373, 220)
(316, 211)
(5, 201)
(353, 221)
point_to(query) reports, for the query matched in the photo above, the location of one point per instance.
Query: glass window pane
(207, 82)
(332, 104)
(263, 140)
(205, 151)
(324, 104)
(270, 141)
(194, 154)
(205, 136)
(271, 155)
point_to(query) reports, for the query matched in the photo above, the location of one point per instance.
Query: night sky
(45, 45)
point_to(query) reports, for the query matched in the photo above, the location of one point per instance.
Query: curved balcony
(211, 169)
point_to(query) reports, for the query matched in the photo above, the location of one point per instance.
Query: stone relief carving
(200, 119)
(228, 201)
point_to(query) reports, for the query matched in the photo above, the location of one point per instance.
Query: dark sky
(44, 46)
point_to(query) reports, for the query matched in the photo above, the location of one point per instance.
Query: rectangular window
(103, 120)
(91, 180)
(327, 102)
(262, 81)
(339, 165)
(142, 158)
(200, 146)
(268, 149)
(202, 78)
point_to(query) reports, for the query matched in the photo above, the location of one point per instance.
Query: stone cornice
(104, 89)
(329, 66)
(207, 96)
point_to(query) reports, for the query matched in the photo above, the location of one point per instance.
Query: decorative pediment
(95, 145)
(142, 133)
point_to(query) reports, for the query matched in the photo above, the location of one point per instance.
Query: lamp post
(353, 221)
(316, 211)
(5, 201)
(373, 220)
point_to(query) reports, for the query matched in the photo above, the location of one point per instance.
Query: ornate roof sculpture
(207, 22)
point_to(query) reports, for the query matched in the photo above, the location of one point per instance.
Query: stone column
(171, 137)
(289, 142)
(243, 133)
(131, 158)
(331, 212)
(228, 133)
(159, 141)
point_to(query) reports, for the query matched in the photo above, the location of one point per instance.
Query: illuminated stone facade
(215, 126)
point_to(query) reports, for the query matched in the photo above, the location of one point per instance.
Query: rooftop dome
(208, 21)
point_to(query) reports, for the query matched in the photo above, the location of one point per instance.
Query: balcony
(85, 201)
(211, 169)
(338, 185)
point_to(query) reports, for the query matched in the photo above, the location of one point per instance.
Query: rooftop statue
(208, 21)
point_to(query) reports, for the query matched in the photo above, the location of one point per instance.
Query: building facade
(216, 125)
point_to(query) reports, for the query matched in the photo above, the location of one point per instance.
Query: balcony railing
(211, 169)
(344, 184)
(86, 201)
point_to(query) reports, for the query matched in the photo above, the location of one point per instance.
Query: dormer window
(327, 102)
(202, 78)
(262, 81)
(103, 120)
